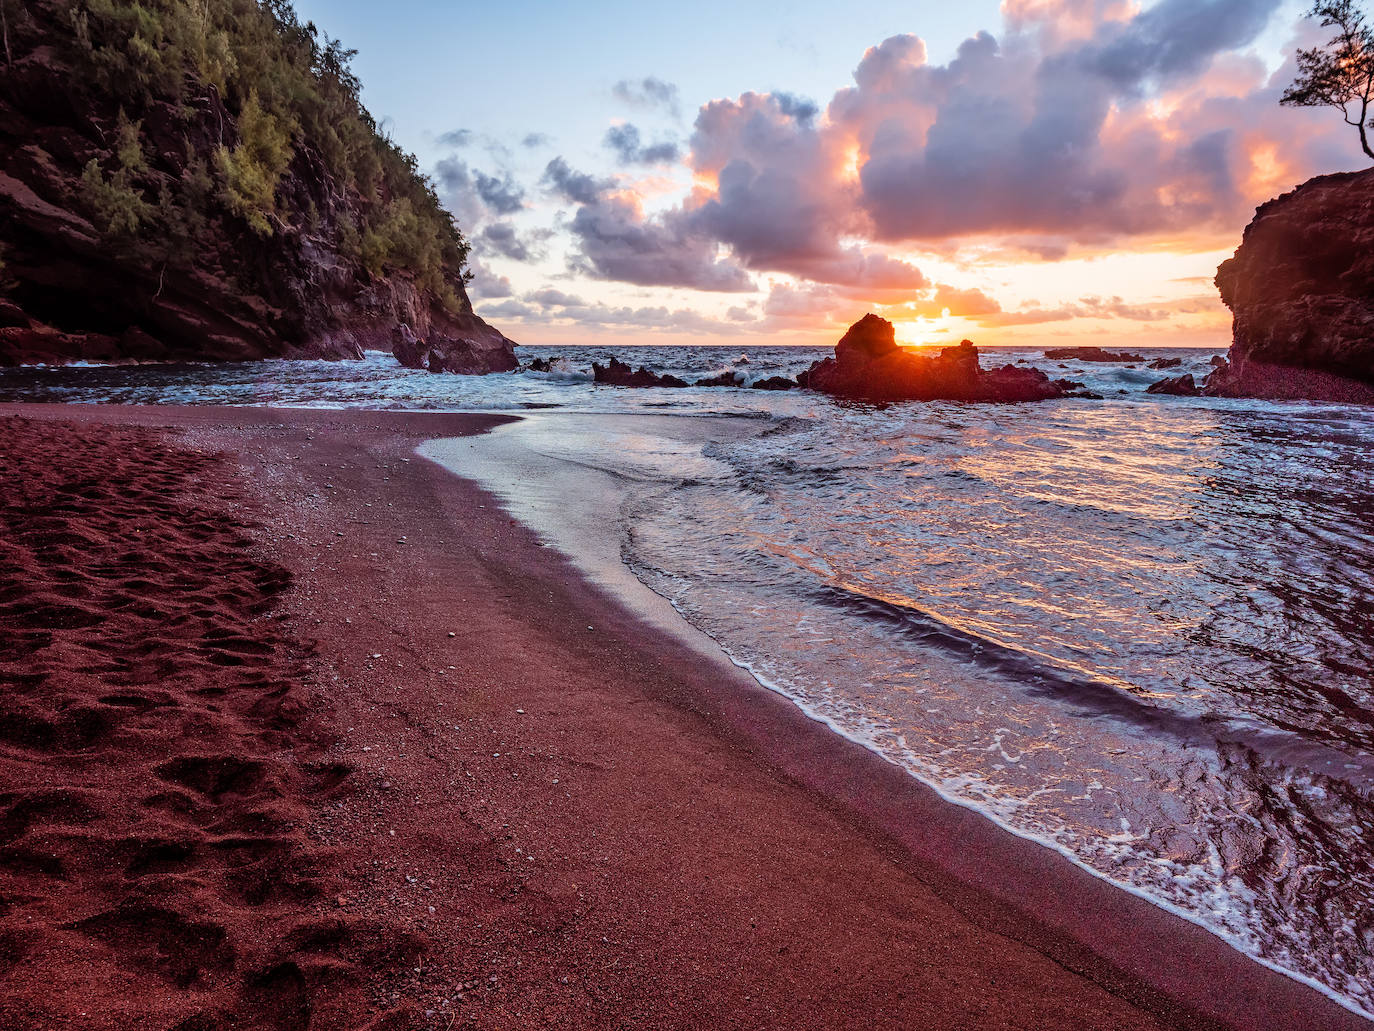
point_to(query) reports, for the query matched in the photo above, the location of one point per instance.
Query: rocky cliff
(869, 365)
(1301, 291)
(200, 181)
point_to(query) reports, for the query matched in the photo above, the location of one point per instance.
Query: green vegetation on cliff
(288, 91)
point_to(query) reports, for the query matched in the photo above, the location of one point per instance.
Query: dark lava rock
(1179, 386)
(1093, 354)
(617, 374)
(869, 365)
(1301, 292)
(465, 345)
(542, 364)
(724, 379)
(1165, 363)
(774, 383)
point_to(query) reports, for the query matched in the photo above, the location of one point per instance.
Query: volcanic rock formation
(1301, 291)
(1092, 354)
(869, 365)
(617, 374)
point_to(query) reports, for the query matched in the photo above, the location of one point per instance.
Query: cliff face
(200, 182)
(1301, 290)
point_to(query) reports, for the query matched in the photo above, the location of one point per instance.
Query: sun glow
(923, 331)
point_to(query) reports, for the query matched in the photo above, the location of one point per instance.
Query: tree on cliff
(1340, 74)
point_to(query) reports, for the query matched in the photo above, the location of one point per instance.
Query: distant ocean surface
(1139, 630)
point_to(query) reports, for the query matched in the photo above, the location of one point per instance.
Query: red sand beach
(298, 730)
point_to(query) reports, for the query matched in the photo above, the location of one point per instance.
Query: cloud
(551, 298)
(511, 309)
(1174, 38)
(625, 141)
(1086, 308)
(577, 187)
(455, 138)
(536, 139)
(485, 284)
(501, 195)
(1090, 123)
(649, 92)
(615, 241)
(550, 305)
(957, 302)
(502, 238)
(799, 109)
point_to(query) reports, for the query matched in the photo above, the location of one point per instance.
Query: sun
(922, 331)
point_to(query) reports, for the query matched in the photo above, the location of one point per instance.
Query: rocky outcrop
(1301, 292)
(869, 365)
(118, 242)
(617, 374)
(1091, 354)
(1165, 363)
(1178, 386)
(459, 344)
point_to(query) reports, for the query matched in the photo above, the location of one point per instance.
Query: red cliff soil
(301, 731)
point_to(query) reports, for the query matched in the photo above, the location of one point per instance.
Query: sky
(1030, 172)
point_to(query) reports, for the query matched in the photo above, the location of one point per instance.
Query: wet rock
(617, 374)
(869, 365)
(774, 383)
(1092, 354)
(542, 364)
(724, 379)
(1301, 292)
(1165, 363)
(457, 343)
(1179, 386)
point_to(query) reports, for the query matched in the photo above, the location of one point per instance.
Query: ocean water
(1139, 630)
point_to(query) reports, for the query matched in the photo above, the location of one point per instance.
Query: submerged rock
(1092, 354)
(617, 374)
(869, 365)
(724, 379)
(1301, 292)
(1179, 386)
(543, 364)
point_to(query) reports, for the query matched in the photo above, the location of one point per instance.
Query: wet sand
(300, 730)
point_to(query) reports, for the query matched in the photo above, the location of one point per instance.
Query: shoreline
(880, 875)
(547, 494)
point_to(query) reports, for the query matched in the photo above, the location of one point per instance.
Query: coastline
(702, 852)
